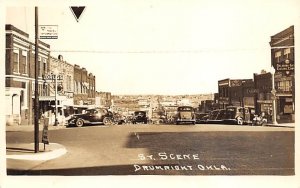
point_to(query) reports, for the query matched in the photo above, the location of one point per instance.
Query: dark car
(239, 115)
(185, 114)
(91, 116)
(201, 117)
(216, 116)
(140, 117)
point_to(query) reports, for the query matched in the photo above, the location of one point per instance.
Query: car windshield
(139, 113)
(230, 113)
(185, 109)
(90, 111)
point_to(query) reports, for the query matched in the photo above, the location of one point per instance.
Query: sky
(163, 47)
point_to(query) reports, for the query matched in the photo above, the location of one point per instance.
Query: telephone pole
(36, 93)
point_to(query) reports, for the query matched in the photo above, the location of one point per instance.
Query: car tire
(107, 121)
(79, 123)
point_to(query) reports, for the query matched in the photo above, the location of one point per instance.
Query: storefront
(285, 109)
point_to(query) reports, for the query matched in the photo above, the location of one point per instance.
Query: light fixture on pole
(274, 121)
(55, 90)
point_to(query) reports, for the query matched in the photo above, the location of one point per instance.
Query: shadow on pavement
(142, 170)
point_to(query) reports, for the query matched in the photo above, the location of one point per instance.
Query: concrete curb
(288, 125)
(53, 151)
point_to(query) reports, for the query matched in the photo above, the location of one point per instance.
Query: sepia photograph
(160, 93)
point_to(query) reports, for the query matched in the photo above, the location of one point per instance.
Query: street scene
(160, 150)
(149, 91)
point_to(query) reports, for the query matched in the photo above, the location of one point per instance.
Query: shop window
(22, 98)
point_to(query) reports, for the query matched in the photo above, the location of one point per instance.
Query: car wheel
(240, 121)
(79, 123)
(107, 121)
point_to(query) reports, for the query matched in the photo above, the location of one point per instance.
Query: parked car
(216, 116)
(140, 117)
(201, 117)
(91, 116)
(239, 115)
(185, 114)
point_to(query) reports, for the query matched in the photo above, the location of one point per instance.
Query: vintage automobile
(91, 116)
(239, 115)
(201, 117)
(140, 117)
(185, 114)
(216, 116)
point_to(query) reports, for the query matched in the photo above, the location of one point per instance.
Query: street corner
(25, 151)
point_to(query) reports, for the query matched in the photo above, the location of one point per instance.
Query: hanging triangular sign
(77, 11)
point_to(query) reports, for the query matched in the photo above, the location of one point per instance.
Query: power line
(159, 51)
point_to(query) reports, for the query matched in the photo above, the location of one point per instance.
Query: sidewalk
(25, 151)
(289, 125)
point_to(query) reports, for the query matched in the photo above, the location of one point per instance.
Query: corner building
(283, 60)
(20, 75)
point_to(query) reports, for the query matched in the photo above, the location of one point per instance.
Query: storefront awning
(51, 98)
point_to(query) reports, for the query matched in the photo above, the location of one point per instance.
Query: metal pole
(36, 94)
(274, 121)
(55, 121)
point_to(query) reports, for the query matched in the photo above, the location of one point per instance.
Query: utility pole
(56, 73)
(36, 94)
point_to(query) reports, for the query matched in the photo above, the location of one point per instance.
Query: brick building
(263, 86)
(223, 91)
(283, 60)
(20, 74)
(236, 92)
(84, 87)
(64, 73)
(103, 99)
(240, 93)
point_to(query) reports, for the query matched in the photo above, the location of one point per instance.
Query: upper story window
(16, 61)
(277, 56)
(284, 86)
(43, 66)
(23, 63)
(287, 52)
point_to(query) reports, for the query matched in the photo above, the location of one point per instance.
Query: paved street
(163, 150)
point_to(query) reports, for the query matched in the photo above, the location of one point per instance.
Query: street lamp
(274, 121)
(55, 89)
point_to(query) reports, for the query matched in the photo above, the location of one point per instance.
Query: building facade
(84, 87)
(58, 83)
(283, 60)
(20, 74)
(223, 90)
(103, 99)
(263, 86)
(240, 93)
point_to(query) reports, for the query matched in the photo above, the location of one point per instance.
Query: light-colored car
(185, 114)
